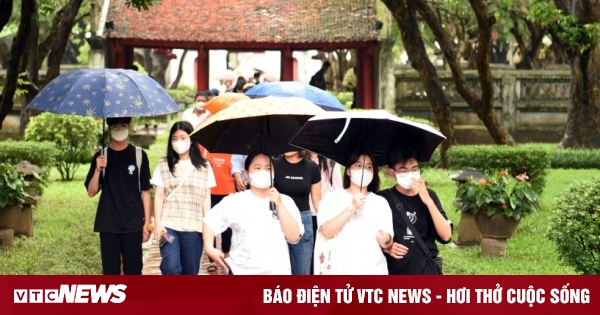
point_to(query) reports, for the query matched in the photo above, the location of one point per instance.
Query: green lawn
(64, 241)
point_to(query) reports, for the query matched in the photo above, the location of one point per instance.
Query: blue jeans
(182, 256)
(301, 253)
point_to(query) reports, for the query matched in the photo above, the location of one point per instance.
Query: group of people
(297, 213)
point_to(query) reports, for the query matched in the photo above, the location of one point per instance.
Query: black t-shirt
(414, 261)
(296, 180)
(120, 209)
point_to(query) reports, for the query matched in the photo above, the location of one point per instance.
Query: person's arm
(215, 221)
(237, 160)
(289, 225)
(159, 200)
(442, 226)
(332, 227)
(93, 184)
(316, 195)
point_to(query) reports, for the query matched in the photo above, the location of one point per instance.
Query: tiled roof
(261, 21)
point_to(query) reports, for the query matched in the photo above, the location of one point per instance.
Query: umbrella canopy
(336, 135)
(321, 98)
(265, 124)
(223, 101)
(104, 93)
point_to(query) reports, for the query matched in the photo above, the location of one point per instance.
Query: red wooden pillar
(202, 69)
(366, 77)
(287, 65)
(119, 52)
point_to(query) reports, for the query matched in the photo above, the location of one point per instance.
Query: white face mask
(181, 146)
(260, 179)
(357, 175)
(119, 134)
(406, 180)
(200, 106)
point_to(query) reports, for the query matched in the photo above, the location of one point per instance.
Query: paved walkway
(152, 260)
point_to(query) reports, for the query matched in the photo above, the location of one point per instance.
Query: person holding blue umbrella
(124, 206)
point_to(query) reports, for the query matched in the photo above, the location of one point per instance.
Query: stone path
(152, 260)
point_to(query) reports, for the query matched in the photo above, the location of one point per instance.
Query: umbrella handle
(343, 131)
(272, 206)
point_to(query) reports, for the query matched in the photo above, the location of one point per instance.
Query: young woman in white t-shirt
(355, 222)
(183, 181)
(260, 236)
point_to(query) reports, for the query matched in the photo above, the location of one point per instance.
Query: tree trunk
(179, 70)
(6, 7)
(583, 120)
(62, 38)
(46, 43)
(32, 71)
(482, 106)
(388, 78)
(415, 48)
(18, 48)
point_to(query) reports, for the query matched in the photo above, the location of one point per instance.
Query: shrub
(12, 186)
(75, 137)
(529, 159)
(576, 158)
(498, 193)
(575, 226)
(42, 154)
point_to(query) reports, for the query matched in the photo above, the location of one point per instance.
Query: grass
(64, 241)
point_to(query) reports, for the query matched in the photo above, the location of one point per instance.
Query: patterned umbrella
(104, 93)
(265, 124)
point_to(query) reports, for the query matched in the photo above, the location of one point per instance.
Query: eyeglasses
(119, 126)
(406, 171)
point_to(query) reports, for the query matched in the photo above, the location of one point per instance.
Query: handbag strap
(400, 206)
(180, 183)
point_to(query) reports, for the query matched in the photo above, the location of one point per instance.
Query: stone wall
(533, 104)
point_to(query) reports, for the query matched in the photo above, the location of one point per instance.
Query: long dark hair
(326, 166)
(374, 184)
(173, 158)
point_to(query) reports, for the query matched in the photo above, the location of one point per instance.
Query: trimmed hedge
(526, 158)
(42, 154)
(576, 158)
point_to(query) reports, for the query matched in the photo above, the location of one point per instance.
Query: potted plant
(498, 202)
(12, 197)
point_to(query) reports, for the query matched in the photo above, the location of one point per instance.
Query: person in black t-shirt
(318, 79)
(124, 207)
(424, 211)
(299, 177)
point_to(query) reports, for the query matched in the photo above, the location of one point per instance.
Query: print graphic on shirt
(243, 248)
(131, 168)
(294, 177)
(408, 232)
(412, 217)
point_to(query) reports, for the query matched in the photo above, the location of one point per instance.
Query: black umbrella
(336, 135)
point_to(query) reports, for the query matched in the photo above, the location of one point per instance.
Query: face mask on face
(200, 106)
(357, 175)
(260, 179)
(119, 134)
(406, 180)
(181, 146)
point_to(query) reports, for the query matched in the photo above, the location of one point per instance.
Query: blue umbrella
(319, 97)
(104, 93)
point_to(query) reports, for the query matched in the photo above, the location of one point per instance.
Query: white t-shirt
(356, 244)
(259, 245)
(190, 116)
(185, 166)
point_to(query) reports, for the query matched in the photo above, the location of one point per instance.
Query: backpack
(138, 162)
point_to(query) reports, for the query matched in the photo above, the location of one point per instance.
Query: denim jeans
(301, 253)
(182, 256)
